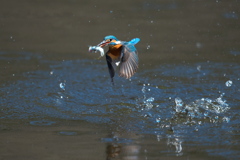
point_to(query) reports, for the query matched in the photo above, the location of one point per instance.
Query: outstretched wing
(129, 61)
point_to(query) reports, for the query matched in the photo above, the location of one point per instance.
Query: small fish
(94, 49)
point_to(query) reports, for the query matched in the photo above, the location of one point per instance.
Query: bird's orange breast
(115, 51)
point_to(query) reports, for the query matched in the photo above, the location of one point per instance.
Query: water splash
(62, 86)
(199, 68)
(216, 106)
(150, 100)
(203, 109)
(147, 102)
(148, 46)
(147, 115)
(177, 143)
(179, 104)
(229, 83)
(158, 119)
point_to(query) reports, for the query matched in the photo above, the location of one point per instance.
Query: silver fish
(94, 49)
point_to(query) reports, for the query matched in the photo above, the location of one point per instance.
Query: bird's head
(109, 40)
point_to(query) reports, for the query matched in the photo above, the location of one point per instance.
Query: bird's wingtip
(135, 41)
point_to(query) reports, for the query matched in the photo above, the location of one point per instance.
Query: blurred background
(168, 29)
(57, 101)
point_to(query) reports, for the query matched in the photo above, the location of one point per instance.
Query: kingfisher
(122, 54)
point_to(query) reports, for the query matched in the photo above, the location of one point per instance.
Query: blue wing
(134, 41)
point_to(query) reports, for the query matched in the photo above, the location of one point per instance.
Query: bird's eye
(110, 39)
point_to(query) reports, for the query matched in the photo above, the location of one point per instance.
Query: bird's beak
(103, 43)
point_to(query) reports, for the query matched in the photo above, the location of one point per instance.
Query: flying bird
(122, 54)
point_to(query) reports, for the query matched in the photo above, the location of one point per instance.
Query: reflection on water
(178, 145)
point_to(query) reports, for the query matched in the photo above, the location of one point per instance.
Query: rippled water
(187, 104)
(57, 100)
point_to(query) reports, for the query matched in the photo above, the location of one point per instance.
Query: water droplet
(196, 129)
(150, 100)
(229, 83)
(147, 115)
(198, 45)
(51, 73)
(226, 119)
(148, 46)
(199, 68)
(177, 143)
(143, 89)
(179, 104)
(158, 119)
(62, 86)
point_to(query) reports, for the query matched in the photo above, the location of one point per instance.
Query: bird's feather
(129, 61)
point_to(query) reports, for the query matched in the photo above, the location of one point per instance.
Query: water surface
(57, 100)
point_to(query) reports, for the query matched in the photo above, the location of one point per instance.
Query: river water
(57, 100)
